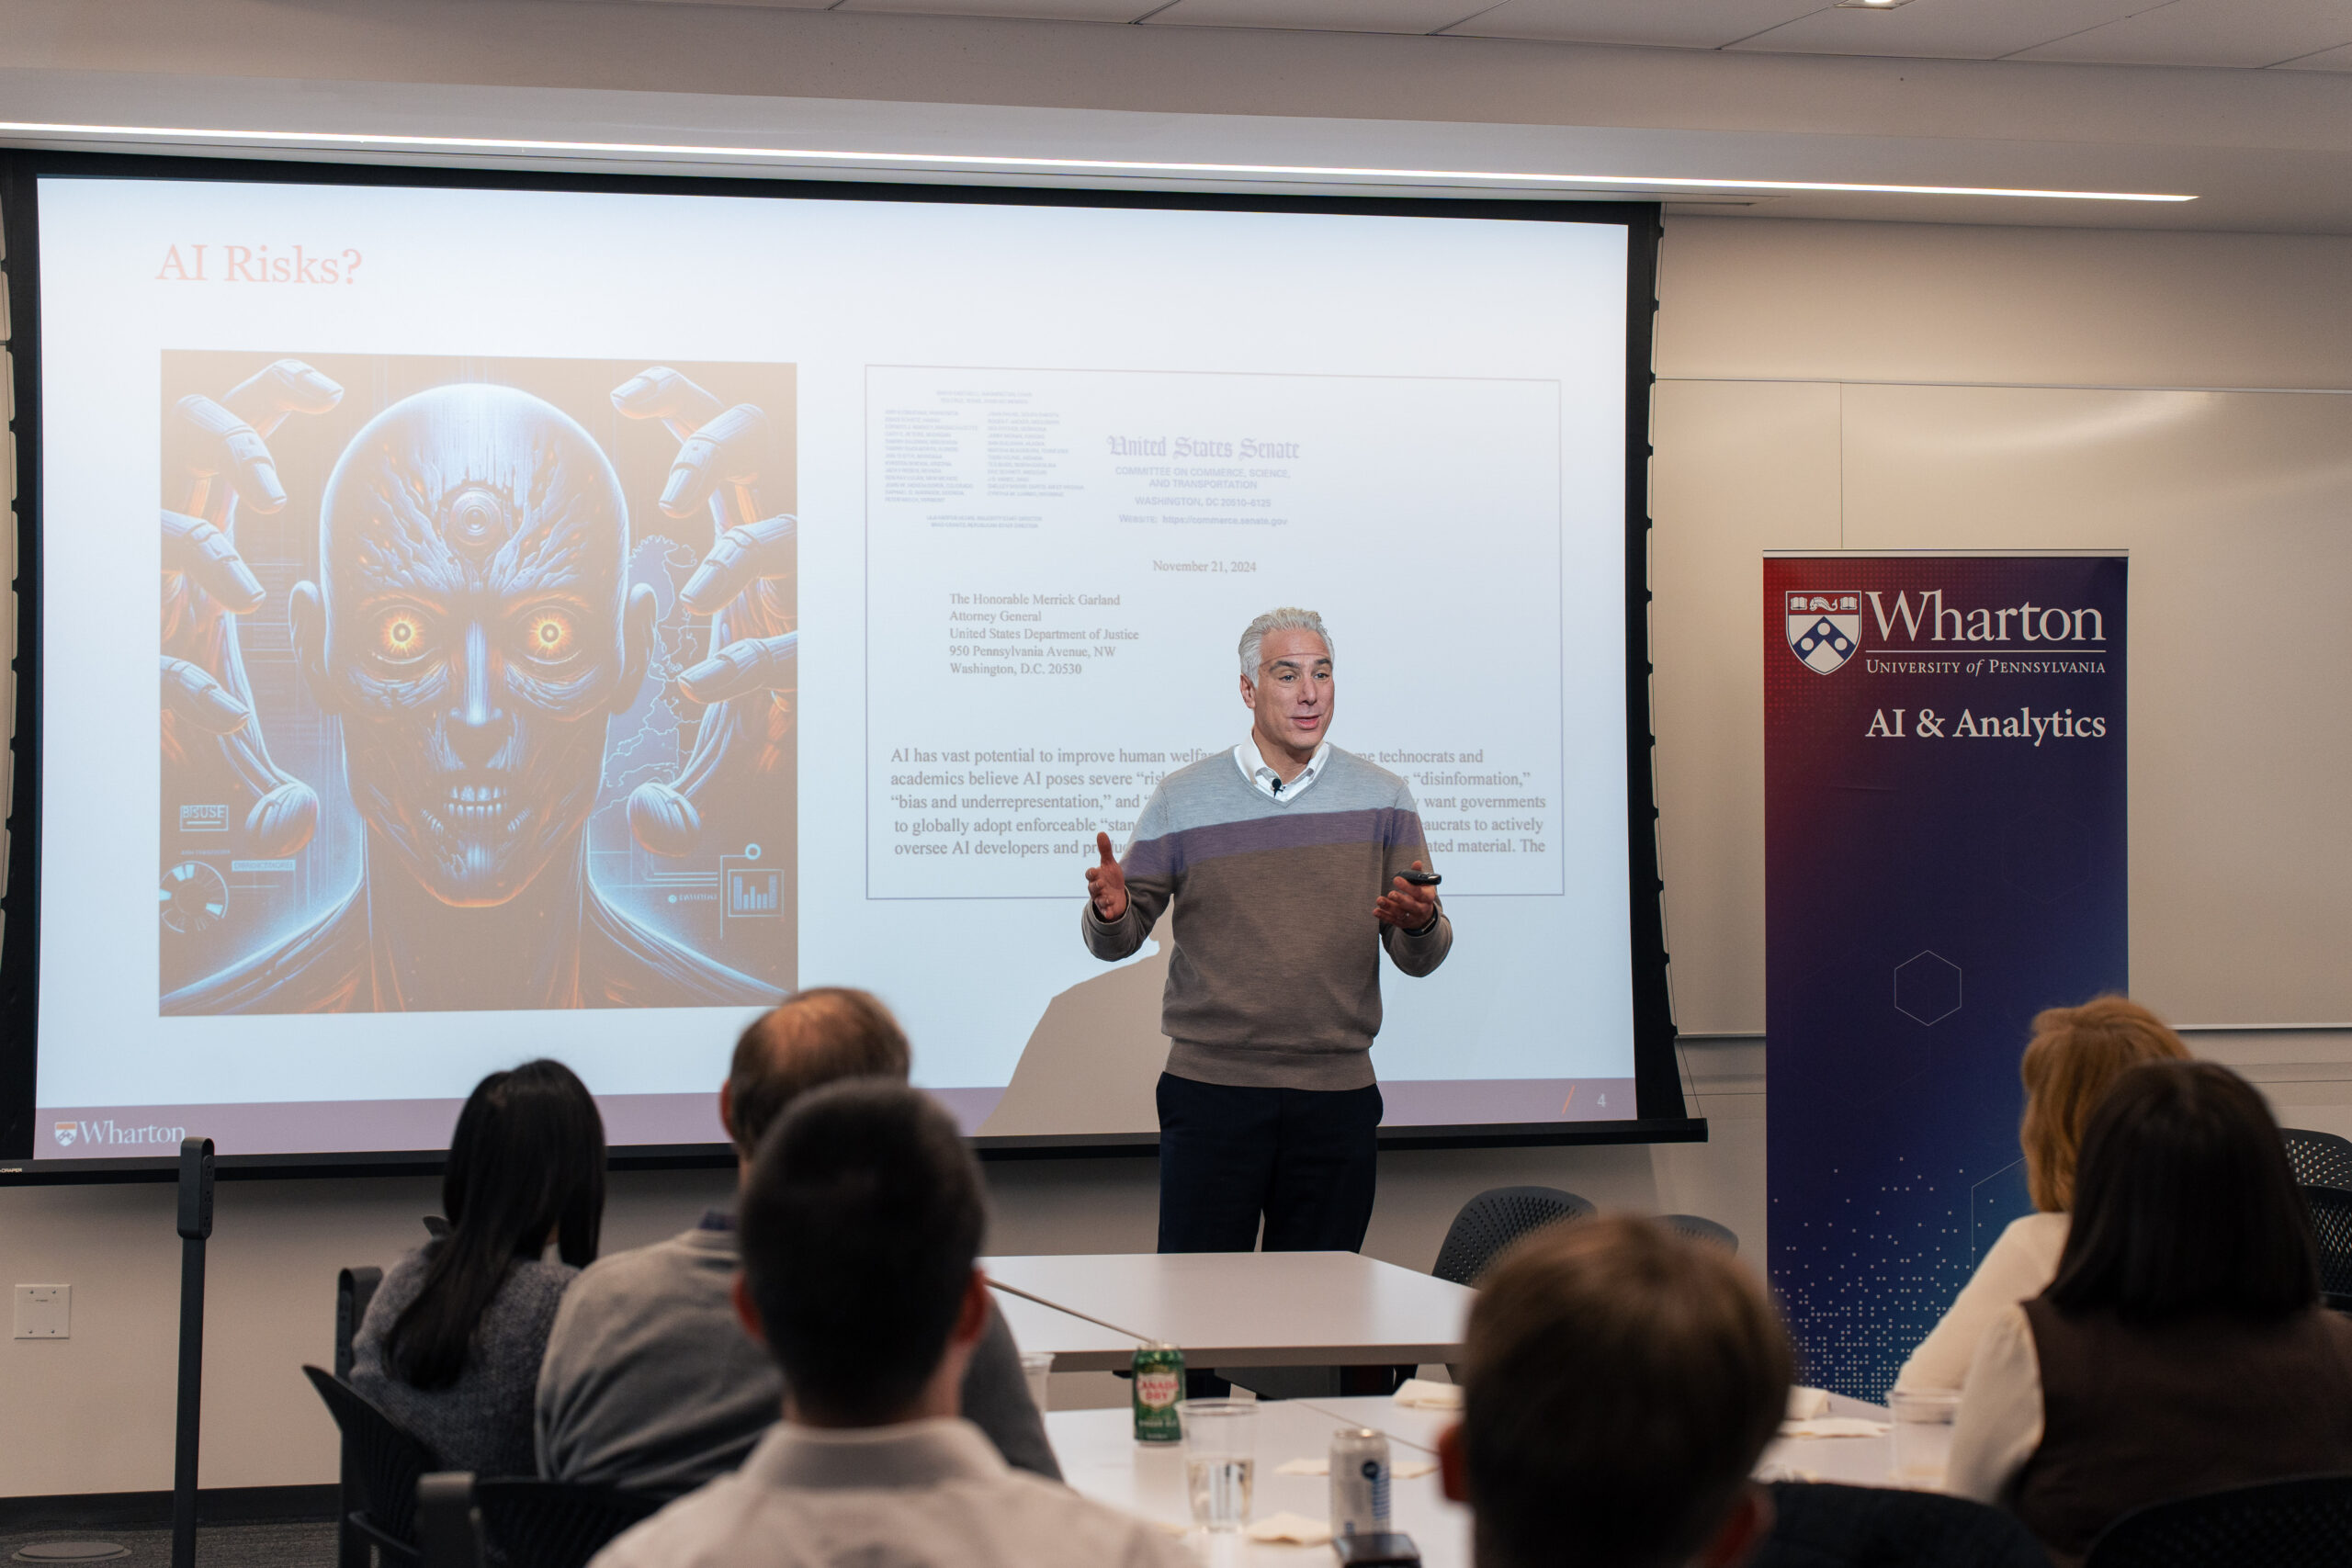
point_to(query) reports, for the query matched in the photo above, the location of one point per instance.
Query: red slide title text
(254, 264)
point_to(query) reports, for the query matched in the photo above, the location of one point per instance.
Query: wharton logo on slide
(109, 1130)
(1825, 629)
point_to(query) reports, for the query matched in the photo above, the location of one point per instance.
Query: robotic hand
(216, 459)
(744, 585)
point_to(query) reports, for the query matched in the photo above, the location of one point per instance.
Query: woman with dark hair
(451, 1345)
(2182, 1348)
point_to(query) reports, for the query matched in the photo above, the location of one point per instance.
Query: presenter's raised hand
(1107, 884)
(1404, 905)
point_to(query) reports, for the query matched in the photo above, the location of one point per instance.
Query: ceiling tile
(1049, 10)
(1322, 16)
(1684, 23)
(1946, 30)
(2208, 32)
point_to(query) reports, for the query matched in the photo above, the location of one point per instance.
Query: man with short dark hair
(648, 1384)
(1620, 1382)
(861, 1224)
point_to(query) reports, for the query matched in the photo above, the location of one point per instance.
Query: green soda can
(1159, 1384)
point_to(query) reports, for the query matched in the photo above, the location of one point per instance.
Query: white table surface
(1857, 1461)
(1252, 1309)
(1078, 1346)
(1101, 1458)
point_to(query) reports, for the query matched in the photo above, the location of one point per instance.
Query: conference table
(1230, 1309)
(1260, 1309)
(1101, 1460)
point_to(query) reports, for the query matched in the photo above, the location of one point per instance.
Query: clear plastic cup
(1220, 1459)
(1037, 1366)
(1922, 1423)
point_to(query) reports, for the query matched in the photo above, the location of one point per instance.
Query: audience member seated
(860, 1222)
(451, 1344)
(2182, 1348)
(2075, 1055)
(649, 1383)
(1620, 1382)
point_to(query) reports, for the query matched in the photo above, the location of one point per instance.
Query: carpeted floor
(217, 1546)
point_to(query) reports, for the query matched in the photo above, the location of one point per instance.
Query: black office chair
(2302, 1523)
(385, 1460)
(1818, 1525)
(1698, 1229)
(449, 1526)
(2321, 1159)
(554, 1524)
(2330, 1211)
(1496, 1218)
(354, 1289)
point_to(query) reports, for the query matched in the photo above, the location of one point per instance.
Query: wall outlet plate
(44, 1311)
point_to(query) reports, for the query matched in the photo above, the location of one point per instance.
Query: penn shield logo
(1825, 629)
(66, 1132)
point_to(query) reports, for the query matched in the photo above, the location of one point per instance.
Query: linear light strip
(1074, 166)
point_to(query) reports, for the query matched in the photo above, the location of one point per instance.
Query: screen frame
(1661, 1115)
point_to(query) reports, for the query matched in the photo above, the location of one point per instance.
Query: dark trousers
(1304, 1161)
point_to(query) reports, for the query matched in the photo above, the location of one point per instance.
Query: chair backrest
(448, 1527)
(2330, 1211)
(1496, 1218)
(354, 1289)
(385, 1459)
(2302, 1523)
(1817, 1524)
(555, 1524)
(2321, 1159)
(1698, 1229)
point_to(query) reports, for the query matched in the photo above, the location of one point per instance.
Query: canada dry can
(1359, 1481)
(1159, 1383)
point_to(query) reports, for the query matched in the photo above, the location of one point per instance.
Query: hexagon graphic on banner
(1926, 987)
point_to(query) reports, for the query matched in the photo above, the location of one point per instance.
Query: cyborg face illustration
(472, 629)
(475, 634)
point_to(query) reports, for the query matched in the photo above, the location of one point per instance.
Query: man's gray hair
(1289, 618)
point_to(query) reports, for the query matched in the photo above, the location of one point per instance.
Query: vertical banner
(1944, 794)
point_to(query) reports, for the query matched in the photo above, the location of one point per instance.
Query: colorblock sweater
(1274, 977)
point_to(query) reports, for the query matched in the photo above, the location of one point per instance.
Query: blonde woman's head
(2075, 1055)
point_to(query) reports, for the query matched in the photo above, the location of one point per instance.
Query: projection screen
(591, 608)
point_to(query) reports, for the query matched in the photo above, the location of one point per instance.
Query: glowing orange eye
(547, 634)
(401, 637)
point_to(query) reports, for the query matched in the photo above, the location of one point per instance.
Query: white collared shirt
(924, 1495)
(1268, 782)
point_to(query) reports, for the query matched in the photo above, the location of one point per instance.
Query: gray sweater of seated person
(650, 1383)
(482, 1421)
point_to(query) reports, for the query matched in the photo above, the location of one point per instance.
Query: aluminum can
(1359, 1481)
(1159, 1384)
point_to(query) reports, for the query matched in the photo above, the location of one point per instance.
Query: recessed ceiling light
(786, 159)
(1870, 5)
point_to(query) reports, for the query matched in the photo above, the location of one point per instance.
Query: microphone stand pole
(195, 1226)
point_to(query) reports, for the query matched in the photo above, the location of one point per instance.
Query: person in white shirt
(2075, 1057)
(860, 1224)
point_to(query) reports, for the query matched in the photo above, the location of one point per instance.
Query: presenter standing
(1283, 858)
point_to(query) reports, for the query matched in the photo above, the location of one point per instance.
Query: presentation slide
(586, 615)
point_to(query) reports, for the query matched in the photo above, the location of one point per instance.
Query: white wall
(1802, 362)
